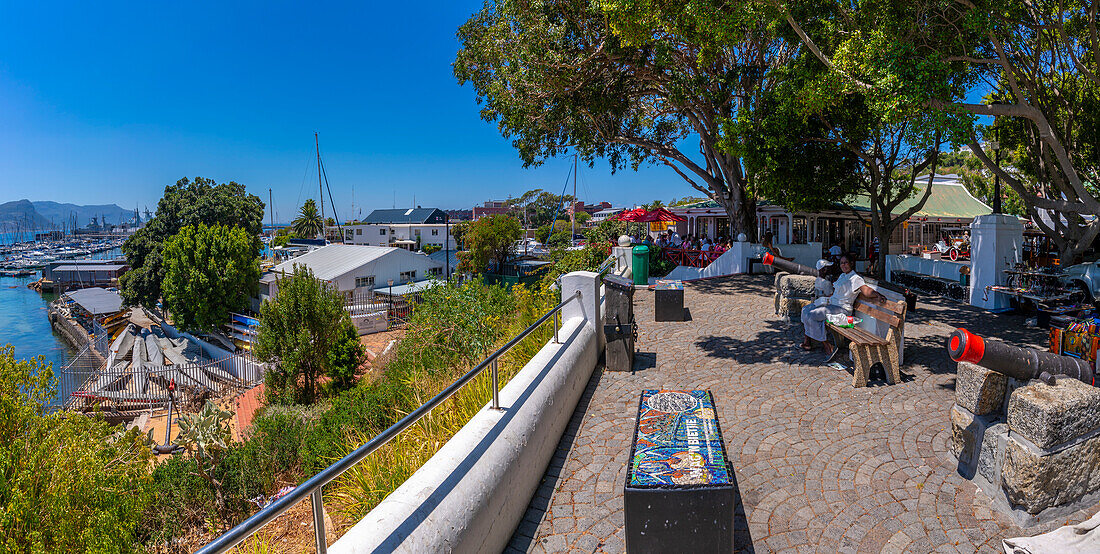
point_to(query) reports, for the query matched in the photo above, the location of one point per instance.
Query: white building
(411, 229)
(356, 269)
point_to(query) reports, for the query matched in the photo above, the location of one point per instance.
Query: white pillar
(996, 243)
(586, 307)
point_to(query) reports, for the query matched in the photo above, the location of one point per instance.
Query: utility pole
(447, 244)
(320, 187)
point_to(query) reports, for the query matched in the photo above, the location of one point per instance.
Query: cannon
(1020, 363)
(788, 266)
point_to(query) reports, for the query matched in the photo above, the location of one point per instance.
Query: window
(359, 231)
(367, 281)
(382, 232)
(435, 232)
(435, 271)
(417, 232)
(408, 275)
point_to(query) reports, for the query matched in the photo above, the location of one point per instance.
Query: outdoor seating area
(817, 464)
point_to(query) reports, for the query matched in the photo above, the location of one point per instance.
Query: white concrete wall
(471, 495)
(371, 235)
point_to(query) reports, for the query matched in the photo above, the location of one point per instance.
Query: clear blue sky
(104, 103)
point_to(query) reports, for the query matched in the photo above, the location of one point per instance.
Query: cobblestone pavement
(820, 466)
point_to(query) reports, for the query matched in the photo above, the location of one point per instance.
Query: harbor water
(25, 326)
(24, 323)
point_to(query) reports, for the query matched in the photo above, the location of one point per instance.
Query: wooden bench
(868, 348)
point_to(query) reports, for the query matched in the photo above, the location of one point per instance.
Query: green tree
(68, 482)
(306, 332)
(308, 224)
(201, 201)
(979, 180)
(489, 240)
(209, 272)
(631, 82)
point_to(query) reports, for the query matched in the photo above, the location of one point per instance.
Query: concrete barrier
(471, 495)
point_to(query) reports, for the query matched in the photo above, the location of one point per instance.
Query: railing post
(496, 386)
(319, 521)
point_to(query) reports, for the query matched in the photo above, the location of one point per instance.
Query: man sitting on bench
(845, 290)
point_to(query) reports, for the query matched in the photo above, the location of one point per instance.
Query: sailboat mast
(271, 211)
(573, 212)
(320, 187)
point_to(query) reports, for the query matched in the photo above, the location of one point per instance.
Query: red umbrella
(629, 215)
(659, 214)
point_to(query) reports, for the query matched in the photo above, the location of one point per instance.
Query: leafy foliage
(631, 82)
(209, 272)
(205, 436)
(488, 240)
(201, 201)
(68, 482)
(309, 223)
(306, 332)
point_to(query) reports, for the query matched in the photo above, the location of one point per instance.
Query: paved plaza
(820, 466)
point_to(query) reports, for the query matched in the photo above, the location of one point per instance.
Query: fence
(396, 308)
(86, 383)
(689, 257)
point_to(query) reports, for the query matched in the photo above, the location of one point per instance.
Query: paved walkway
(820, 466)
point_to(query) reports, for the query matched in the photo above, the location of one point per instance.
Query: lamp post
(389, 310)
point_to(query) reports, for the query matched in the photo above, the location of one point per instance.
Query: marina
(21, 259)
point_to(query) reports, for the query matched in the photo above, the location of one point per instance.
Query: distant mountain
(20, 215)
(60, 213)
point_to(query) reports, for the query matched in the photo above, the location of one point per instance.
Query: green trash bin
(641, 265)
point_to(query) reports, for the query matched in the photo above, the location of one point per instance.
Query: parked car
(1085, 278)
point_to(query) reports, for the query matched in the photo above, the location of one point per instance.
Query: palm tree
(309, 224)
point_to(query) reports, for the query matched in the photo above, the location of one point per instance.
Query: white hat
(821, 264)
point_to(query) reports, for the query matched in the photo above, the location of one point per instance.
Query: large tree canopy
(629, 82)
(1042, 60)
(209, 272)
(187, 202)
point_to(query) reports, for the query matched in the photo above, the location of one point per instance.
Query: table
(679, 494)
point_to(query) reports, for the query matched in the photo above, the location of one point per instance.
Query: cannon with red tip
(1020, 363)
(787, 265)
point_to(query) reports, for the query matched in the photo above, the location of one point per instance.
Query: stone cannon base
(1032, 447)
(792, 293)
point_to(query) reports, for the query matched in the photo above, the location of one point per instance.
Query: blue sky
(105, 103)
(108, 103)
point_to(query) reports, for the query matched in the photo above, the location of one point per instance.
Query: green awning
(948, 200)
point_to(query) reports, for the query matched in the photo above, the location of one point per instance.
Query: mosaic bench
(679, 494)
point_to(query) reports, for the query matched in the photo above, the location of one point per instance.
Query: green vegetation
(488, 240)
(68, 482)
(209, 272)
(198, 202)
(306, 333)
(308, 223)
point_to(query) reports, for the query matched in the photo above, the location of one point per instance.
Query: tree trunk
(742, 215)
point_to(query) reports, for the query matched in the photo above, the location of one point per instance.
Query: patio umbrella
(659, 214)
(629, 215)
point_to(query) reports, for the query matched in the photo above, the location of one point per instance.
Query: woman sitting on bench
(846, 289)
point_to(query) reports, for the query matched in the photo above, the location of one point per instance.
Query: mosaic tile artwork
(677, 441)
(669, 285)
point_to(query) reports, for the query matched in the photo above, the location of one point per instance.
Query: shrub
(68, 482)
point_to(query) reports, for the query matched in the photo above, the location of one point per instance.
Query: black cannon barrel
(788, 266)
(1021, 363)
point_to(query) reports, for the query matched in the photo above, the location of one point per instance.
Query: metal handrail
(312, 486)
(606, 265)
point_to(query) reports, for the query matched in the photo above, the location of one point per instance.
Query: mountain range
(42, 215)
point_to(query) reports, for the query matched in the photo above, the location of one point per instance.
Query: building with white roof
(356, 269)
